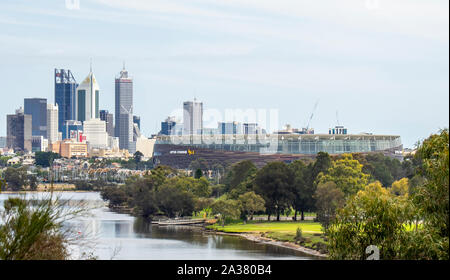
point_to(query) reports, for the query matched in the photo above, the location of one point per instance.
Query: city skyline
(383, 67)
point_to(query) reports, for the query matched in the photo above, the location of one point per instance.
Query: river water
(110, 235)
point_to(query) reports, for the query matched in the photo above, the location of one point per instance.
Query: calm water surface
(110, 235)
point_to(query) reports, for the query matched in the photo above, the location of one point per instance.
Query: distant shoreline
(264, 240)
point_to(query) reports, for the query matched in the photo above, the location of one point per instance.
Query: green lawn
(273, 226)
(282, 231)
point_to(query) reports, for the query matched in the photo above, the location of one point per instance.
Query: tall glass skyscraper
(88, 99)
(124, 110)
(192, 117)
(65, 96)
(37, 108)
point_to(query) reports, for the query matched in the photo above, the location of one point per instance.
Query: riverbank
(281, 234)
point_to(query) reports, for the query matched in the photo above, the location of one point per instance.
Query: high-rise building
(39, 144)
(124, 109)
(192, 117)
(18, 128)
(88, 98)
(70, 126)
(65, 96)
(167, 126)
(2, 142)
(52, 123)
(250, 128)
(37, 108)
(137, 120)
(95, 132)
(230, 128)
(109, 119)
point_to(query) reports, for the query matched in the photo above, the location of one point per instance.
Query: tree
(347, 174)
(198, 173)
(274, 183)
(227, 208)
(302, 189)
(115, 195)
(16, 178)
(251, 203)
(400, 187)
(32, 230)
(239, 173)
(328, 198)
(32, 181)
(372, 217)
(138, 157)
(45, 159)
(174, 202)
(432, 198)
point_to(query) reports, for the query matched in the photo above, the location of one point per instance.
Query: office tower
(70, 126)
(109, 119)
(250, 128)
(124, 109)
(230, 128)
(65, 96)
(167, 126)
(2, 142)
(39, 144)
(52, 123)
(37, 108)
(192, 117)
(88, 97)
(137, 120)
(18, 128)
(95, 132)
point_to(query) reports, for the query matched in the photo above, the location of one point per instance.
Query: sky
(377, 66)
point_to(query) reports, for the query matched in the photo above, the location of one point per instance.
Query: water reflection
(111, 235)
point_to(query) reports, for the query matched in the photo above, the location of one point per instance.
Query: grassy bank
(312, 235)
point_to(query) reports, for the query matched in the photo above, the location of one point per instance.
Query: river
(110, 235)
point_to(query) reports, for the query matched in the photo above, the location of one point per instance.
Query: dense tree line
(358, 198)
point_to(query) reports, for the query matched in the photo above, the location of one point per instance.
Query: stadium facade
(179, 151)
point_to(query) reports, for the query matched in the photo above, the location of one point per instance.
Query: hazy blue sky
(383, 65)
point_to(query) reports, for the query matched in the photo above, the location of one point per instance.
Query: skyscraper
(52, 123)
(192, 117)
(37, 108)
(18, 129)
(65, 96)
(167, 126)
(124, 109)
(137, 120)
(109, 119)
(88, 97)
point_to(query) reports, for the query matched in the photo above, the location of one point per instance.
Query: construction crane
(337, 118)
(312, 114)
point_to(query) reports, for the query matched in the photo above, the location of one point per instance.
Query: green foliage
(174, 201)
(328, 198)
(372, 217)
(16, 178)
(239, 173)
(138, 157)
(45, 159)
(347, 174)
(302, 188)
(400, 187)
(298, 234)
(227, 209)
(30, 233)
(274, 183)
(115, 195)
(198, 173)
(432, 198)
(251, 203)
